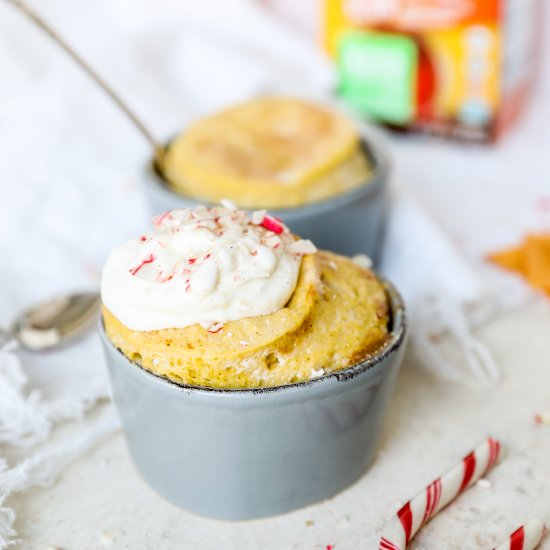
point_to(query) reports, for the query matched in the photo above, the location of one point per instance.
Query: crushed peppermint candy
(215, 328)
(149, 259)
(273, 224)
(273, 241)
(302, 247)
(258, 217)
(229, 204)
(161, 217)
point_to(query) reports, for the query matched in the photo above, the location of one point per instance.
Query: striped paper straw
(406, 523)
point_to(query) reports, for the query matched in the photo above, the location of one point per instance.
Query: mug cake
(251, 370)
(214, 297)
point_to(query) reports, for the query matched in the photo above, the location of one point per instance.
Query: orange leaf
(537, 261)
(512, 259)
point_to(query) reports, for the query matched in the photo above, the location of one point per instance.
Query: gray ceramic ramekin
(349, 223)
(244, 454)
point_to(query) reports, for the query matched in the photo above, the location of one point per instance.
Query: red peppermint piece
(164, 277)
(147, 260)
(215, 328)
(160, 218)
(273, 224)
(191, 260)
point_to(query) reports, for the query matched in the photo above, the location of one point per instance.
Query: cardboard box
(456, 68)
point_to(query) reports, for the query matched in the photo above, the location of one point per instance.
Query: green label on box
(378, 74)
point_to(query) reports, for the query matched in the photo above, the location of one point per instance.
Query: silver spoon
(53, 323)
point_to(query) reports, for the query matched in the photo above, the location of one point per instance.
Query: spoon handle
(37, 20)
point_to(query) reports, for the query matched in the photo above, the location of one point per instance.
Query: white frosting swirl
(203, 266)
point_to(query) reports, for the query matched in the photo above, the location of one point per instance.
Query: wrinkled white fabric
(448, 297)
(439, 288)
(27, 420)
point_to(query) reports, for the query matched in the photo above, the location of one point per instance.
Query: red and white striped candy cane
(527, 537)
(406, 523)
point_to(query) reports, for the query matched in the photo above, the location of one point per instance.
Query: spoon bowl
(55, 322)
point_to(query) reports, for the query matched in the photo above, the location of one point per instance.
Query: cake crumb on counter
(109, 536)
(484, 483)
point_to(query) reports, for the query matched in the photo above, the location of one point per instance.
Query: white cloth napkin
(69, 194)
(441, 291)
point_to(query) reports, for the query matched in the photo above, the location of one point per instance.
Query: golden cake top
(265, 153)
